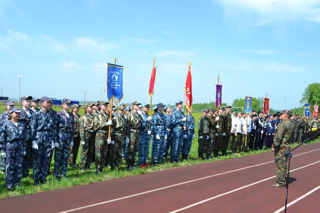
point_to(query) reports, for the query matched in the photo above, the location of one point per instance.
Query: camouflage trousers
(300, 133)
(3, 163)
(74, 150)
(158, 147)
(245, 142)
(218, 143)
(101, 152)
(231, 141)
(119, 140)
(281, 165)
(225, 141)
(144, 144)
(237, 142)
(27, 159)
(133, 146)
(14, 160)
(41, 161)
(168, 142)
(177, 142)
(87, 150)
(212, 141)
(204, 145)
(187, 142)
(295, 135)
(61, 154)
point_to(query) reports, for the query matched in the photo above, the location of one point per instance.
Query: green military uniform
(87, 136)
(119, 126)
(301, 126)
(204, 137)
(212, 129)
(220, 130)
(281, 144)
(295, 129)
(227, 131)
(133, 132)
(76, 141)
(101, 140)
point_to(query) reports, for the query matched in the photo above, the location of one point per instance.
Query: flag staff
(154, 61)
(111, 103)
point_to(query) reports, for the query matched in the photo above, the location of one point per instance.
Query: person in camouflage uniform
(227, 131)
(220, 131)
(101, 126)
(87, 137)
(13, 138)
(133, 134)
(204, 135)
(168, 115)
(187, 142)
(119, 126)
(280, 146)
(76, 141)
(65, 133)
(295, 122)
(301, 128)
(238, 134)
(212, 128)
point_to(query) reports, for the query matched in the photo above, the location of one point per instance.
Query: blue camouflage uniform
(159, 132)
(124, 155)
(177, 142)
(28, 158)
(3, 117)
(42, 129)
(13, 143)
(65, 136)
(144, 142)
(52, 137)
(187, 141)
(169, 133)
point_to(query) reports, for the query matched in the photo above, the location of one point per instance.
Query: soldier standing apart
(76, 141)
(87, 137)
(133, 134)
(34, 104)
(159, 132)
(204, 135)
(65, 136)
(168, 115)
(26, 115)
(187, 142)
(144, 136)
(280, 146)
(178, 122)
(42, 128)
(227, 132)
(101, 126)
(119, 126)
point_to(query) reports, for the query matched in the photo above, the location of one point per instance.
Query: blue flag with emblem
(307, 110)
(248, 104)
(114, 82)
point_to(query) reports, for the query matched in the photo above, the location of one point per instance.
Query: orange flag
(188, 89)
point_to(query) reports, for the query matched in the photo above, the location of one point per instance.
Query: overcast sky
(61, 48)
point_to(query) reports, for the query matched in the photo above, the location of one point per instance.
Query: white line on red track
(238, 189)
(298, 199)
(177, 184)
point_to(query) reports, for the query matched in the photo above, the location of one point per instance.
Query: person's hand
(208, 137)
(83, 143)
(109, 123)
(71, 144)
(224, 134)
(217, 118)
(149, 132)
(200, 137)
(165, 137)
(127, 140)
(24, 153)
(149, 118)
(52, 145)
(272, 149)
(157, 137)
(56, 145)
(3, 154)
(235, 134)
(34, 145)
(184, 119)
(184, 128)
(109, 140)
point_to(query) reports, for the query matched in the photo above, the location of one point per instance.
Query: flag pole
(111, 103)
(305, 119)
(154, 61)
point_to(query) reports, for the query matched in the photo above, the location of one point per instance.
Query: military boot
(130, 165)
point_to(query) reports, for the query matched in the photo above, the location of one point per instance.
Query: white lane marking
(173, 185)
(238, 189)
(298, 199)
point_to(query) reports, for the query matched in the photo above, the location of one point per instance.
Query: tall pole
(19, 76)
(111, 104)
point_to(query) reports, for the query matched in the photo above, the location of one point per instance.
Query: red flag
(152, 81)
(266, 105)
(188, 89)
(316, 111)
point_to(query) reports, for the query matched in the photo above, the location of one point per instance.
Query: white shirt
(239, 125)
(233, 122)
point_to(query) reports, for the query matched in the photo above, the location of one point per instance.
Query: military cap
(145, 105)
(205, 110)
(45, 98)
(260, 112)
(232, 110)
(26, 98)
(104, 103)
(10, 103)
(127, 109)
(155, 108)
(14, 109)
(254, 115)
(166, 107)
(51, 100)
(95, 103)
(160, 105)
(210, 109)
(228, 107)
(237, 112)
(124, 105)
(288, 112)
(120, 108)
(75, 106)
(136, 103)
(214, 110)
(179, 102)
(253, 110)
(34, 99)
(243, 112)
(66, 101)
(297, 114)
(221, 107)
(89, 105)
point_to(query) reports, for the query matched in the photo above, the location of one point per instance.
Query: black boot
(187, 157)
(130, 165)
(216, 154)
(201, 156)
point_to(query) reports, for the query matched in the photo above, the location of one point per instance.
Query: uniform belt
(159, 126)
(180, 127)
(104, 131)
(168, 130)
(89, 130)
(134, 130)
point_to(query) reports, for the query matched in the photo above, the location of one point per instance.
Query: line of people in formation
(29, 136)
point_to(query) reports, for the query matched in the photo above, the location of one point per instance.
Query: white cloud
(265, 12)
(95, 45)
(71, 64)
(16, 35)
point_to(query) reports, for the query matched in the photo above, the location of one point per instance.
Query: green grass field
(83, 178)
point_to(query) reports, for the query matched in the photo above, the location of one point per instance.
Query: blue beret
(179, 102)
(160, 105)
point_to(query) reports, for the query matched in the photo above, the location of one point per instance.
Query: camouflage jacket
(119, 125)
(133, 122)
(213, 123)
(283, 134)
(76, 125)
(86, 125)
(203, 125)
(100, 122)
(9, 132)
(220, 123)
(227, 122)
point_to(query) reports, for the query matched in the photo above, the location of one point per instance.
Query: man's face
(35, 104)
(75, 110)
(15, 115)
(120, 112)
(179, 106)
(204, 114)
(191, 111)
(103, 107)
(127, 112)
(244, 115)
(135, 107)
(168, 110)
(234, 112)
(160, 109)
(8, 107)
(66, 106)
(26, 103)
(210, 112)
(89, 109)
(46, 104)
(239, 115)
(95, 108)
(145, 109)
(228, 110)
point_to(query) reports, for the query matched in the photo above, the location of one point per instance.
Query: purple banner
(218, 95)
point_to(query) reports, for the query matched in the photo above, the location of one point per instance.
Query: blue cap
(34, 99)
(66, 101)
(10, 103)
(155, 108)
(14, 109)
(179, 102)
(253, 111)
(166, 107)
(45, 98)
(145, 105)
(160, 105)
(26, 98)
(127, 109)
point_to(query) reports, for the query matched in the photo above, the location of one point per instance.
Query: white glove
(157, 137)
(224, 134)
(3, 154)
(56, 145)
(200, 137)
(184, 119)
(185, 136)
(217, 118)
(24, 153)
(149, 132)
(149, 118)
(109, 123)
(207, 137)
(193, 136)
(127, 140)
(217, 126)
(112, 142)
(165, 137)
(216, 134)
(139, 112)
(262, 132)
(71, 144)
(52, 145)
(34, 145)
(83, 143)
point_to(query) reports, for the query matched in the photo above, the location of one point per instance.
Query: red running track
(222, 186)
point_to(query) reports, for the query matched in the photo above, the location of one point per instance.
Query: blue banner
(248, 105)
(115, 82)
(307, 110)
